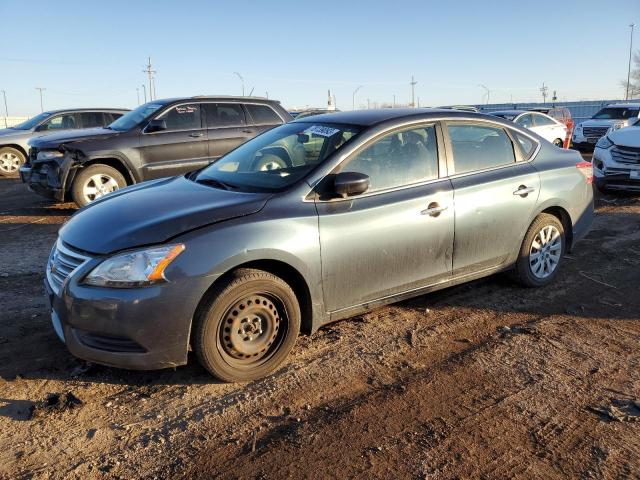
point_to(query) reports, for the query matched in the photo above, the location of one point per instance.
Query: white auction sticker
(322, 131)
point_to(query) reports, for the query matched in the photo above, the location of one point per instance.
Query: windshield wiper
(215, 183)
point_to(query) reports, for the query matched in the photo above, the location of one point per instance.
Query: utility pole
(543, 90)
(394, 100)
(150, 73)
(241, 80)
(487, 93)
(632, 26)
(144, 89)
(368, 104)
(353, 97)
(6, 110)
(413, 92)
(40, 89)
(138, 95)
(554, 98)
(266, 94)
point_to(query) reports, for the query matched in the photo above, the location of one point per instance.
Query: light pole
(138, 95)
(40, 89)
(6, 110)
(241, 80)
(394, 100)
(353, 97)
(488, 92)
(629, 69)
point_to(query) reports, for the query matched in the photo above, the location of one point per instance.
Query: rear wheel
(541, 252)
(558, 142)
(11, 160)
(96, 181)
(247, 327)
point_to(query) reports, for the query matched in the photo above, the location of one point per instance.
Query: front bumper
(611, 175)
(39, 182)
(139, 328)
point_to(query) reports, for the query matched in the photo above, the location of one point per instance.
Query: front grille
(626, 154)
(63, 261)
(594, 131)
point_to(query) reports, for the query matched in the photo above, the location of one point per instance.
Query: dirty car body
(399, 228)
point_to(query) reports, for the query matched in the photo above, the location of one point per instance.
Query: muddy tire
(247, 326)
(541, 252)
(11, 159)
(95, 181)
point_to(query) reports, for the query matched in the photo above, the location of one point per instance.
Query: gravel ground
(484, 380)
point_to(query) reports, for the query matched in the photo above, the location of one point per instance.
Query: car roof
(623, 105)
(508, 112)
(97, 109)
(233, 98)
(370, 117)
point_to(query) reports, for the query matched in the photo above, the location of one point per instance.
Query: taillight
(586, 169)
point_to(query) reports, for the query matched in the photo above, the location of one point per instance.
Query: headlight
(616, 126)
(604, 143)
(49, 154)
(134, 269)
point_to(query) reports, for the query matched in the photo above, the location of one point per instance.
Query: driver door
(398, 235)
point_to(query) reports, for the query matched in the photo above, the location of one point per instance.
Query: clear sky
(88, 53)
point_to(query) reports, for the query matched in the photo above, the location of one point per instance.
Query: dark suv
(161, 138)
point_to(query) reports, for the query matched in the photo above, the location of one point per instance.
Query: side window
(477, 147)
(542, 121)
(263, 114)
(92, 119)
(111, 117)
(527, 145)
(183, 117)
(525, 121)
(398, 159)
(60, 122)
(224, 114)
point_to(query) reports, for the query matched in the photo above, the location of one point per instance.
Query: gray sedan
(14, 146)
(360, 210)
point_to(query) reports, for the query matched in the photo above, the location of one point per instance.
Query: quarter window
(527, 145)
(478, 147)
(525, 121)
(183, 117)
(92, 119)
(398, 159)
(224, 114)
(263, 114)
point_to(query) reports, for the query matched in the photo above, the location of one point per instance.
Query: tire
(558, 142)
(247, 326)
(542, 269)
(94, 182)
(11, 159)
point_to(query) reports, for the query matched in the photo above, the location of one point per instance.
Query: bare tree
(634, 81)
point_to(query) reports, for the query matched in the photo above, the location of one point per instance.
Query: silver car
(361, 209)
(13, 141)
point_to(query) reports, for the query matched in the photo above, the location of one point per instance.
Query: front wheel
(541, 252)
(247, 326)
(11, 160)
(96, 181)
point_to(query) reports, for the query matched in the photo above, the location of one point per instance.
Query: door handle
(434, 209)
(196, 135)
(523, 190)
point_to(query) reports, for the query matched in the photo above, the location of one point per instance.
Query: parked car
(13, 140)
(613, 116)
(466, 108)
(310, 112)
(616, 159)
(234, 260)
(548, 128)
(159, 139)
(561, 114)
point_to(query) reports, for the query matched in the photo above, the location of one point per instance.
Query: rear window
(263, 114)
(478, 147)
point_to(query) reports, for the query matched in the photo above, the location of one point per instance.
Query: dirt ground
(484, 380)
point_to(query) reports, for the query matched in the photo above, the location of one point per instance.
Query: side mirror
(156, 125)
(348, 184)
(42, 128)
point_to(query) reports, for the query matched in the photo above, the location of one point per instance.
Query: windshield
(278, 158)
(613, 113)
(134, 117)
(32, 122)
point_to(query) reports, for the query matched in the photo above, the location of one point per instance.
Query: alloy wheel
(98, 186)
(545, 251)
(9, 162)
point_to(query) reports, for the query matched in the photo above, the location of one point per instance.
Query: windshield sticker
(322, 131)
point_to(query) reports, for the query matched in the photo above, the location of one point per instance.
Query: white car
(616, 160)
(614, 116)
(545, 126)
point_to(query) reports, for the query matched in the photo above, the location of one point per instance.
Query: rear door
(397, 236)
(180, 148)
(495, 192)
(226, 127)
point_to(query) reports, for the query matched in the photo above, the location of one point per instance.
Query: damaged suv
(159, 139)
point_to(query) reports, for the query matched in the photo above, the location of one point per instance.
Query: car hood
(10, 132)
(626, 137)
(154, 212)
(53, 140)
